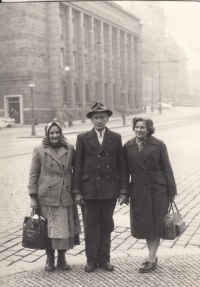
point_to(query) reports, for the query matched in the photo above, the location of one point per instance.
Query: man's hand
(123, 199)
(34, 203)
(79, 199)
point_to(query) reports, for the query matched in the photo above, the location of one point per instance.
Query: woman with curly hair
(152, 186)
(50, 191)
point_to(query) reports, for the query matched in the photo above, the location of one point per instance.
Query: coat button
(98, 166)
(52, 175)
(98, 177)
(49, 186)
(107, 154)
(51, 165)
(99, 155)
(107, 166)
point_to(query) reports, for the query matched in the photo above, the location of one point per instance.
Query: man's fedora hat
(97, 108)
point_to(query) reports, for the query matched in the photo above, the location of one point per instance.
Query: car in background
(164, 106)
(6, 122)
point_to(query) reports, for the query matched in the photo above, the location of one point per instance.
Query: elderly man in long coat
(99, 179)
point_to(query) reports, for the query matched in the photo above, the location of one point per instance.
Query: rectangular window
(61, 27)
(75, 61)
(85, 34)
(74, 30)
(62, 61)
(64, 91)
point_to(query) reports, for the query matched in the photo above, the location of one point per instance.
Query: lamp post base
(33, 127)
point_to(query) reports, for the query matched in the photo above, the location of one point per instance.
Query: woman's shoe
(147, 267)
(50, 260)
(61, 263)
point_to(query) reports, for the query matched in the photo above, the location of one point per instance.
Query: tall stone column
(100, 47)
(124, 69)
(54, 55)
(81, 62)
(91, 60)
(69, 58)
(138, 74)
(117, 91)
(109, 56)
(131, 74)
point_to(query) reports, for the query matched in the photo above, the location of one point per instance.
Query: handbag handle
(172, 208)
(33, 212)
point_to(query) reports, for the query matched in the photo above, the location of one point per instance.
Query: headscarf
(46, 141)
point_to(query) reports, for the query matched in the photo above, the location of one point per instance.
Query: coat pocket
(161, 180)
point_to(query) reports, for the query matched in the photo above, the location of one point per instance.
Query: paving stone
(23, 252)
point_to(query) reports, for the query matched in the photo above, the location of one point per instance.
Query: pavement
(178, 260)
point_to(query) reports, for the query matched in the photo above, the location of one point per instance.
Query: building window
(104, 38)
(95, 37)
(62, 61)
(85, 34)
(76, 92)
(64, 91)
(86, 63)
(74, 30)
(87, 93)
(61, 27)
(113, 67)
(75, 61)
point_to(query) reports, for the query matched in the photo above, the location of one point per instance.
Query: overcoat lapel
(134, 153)
(93, 140)
(107, 140)
(147, 149)
(52, 154)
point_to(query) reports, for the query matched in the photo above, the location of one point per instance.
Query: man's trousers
(98, 225)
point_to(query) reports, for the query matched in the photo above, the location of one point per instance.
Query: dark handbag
(173, 223)
(34, 232)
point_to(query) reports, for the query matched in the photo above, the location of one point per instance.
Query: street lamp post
(160, 99)
(123, 108)
(32, 85)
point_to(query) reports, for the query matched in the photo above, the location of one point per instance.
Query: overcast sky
(184, 21)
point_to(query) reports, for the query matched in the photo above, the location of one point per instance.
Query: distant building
(168, 78)
(75, 53)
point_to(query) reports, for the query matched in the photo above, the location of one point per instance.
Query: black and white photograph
(99, 143)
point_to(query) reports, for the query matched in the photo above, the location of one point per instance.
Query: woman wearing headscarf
(152, 187)
(50, 192)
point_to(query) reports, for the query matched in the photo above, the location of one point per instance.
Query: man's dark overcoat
(99, 170)
(151, 184)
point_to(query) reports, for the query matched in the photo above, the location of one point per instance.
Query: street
(181, 136)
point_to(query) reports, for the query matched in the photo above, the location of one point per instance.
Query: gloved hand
(34, 203)
(78, 199)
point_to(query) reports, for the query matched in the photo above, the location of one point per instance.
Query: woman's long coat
(151, 184)
(50, 175)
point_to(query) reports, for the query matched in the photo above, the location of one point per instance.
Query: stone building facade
(75, 53)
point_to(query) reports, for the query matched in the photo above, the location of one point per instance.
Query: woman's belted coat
(50, 175)
(151, 184)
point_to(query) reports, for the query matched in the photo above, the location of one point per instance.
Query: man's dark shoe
(147, 267)
(107, 266)
(90, 266)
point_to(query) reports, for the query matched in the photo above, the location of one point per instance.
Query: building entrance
(13, 106)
